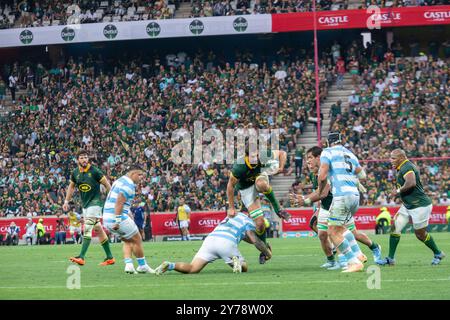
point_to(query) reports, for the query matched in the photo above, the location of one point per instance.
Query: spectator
(299, 152)
(12, 234)
(60, 231)
(40, 229)
(30, 233)
(13, 86)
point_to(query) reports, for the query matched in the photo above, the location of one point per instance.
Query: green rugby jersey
(246, 173)
(326, 202)
(416, 197)
(88, 183)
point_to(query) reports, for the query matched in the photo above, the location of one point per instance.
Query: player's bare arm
(118, 210)
(361, 174)
(232, 181)
(301, 200)
(322, 178)
(281, 156)
(252, 238)
(69, 194)
(105, 182)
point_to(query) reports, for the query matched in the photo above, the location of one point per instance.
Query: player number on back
(350, 165)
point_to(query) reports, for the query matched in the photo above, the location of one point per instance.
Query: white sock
(352, 242)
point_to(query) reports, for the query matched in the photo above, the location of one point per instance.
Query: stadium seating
(14, 14)
(123, 112)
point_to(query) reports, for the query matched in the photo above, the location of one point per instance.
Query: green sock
(271, 197)
(262, 236)
(85, 246)
(330, 258)
(105, 245)
(429, 242)
(373, 246)
(394, 239)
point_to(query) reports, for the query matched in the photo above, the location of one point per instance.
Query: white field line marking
(225, 283)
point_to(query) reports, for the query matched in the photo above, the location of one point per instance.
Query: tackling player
(222, 243)
(342, 168)
(249, 180)
(87, 179)
(416, 204)
(321, 222)
(117, 221)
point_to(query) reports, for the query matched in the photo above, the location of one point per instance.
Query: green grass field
(40, 272)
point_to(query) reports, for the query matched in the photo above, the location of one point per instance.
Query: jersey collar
(247, 162)
(401, 164)
(85, 170)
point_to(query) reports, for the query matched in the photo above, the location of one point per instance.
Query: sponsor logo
(386, 17)
(67, 34)
(437, 15)
(364, 219)
(439, 217)
(296, 221)
(84, 187)
(240, 24)
(333, 21)
(26, 36)
(110, 31)
(208, 222)
(170, 224)
(196, 27)
(153, 29)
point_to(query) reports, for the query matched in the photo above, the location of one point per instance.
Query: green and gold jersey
(246, 173)
(88, 183)
(326, 202)
(415, 197)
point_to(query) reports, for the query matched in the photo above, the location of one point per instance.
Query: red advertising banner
(364, 218)
(49, 224)
(205, 222)
(201, 222)
(367, 19)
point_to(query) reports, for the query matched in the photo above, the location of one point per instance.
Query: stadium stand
(27, 13)
(120, 109)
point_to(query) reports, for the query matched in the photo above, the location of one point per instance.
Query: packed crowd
(28, 13)
(397, 103)
(34, 13)
(202, 8)
(126, 113)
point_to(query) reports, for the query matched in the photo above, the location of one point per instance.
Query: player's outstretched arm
(251, 237)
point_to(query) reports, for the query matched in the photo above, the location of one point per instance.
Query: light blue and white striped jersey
(342, 165)
(127, 188)
(234, 229)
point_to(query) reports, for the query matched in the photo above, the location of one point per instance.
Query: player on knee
(87, 179)
(117, 221)
(416, 204)
(248, 176)
(222, 243)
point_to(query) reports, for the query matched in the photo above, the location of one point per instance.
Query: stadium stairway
(7, 105)
(280, 183)
(184, 10)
